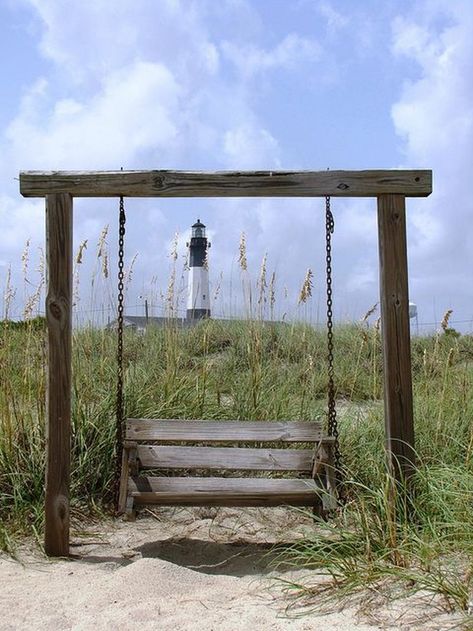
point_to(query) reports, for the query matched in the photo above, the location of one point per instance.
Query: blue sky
(243, 84)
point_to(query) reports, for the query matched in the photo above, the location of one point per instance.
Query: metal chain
(332, 412)
(119, 400)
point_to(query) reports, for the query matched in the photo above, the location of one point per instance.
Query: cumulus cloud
(434, 116)
(435, 113)
(136, 110)
(87, 40)
(139, 83)
(335, 19)
(247, 147)
(251, 60)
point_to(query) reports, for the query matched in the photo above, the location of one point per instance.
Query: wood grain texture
(411, 183)
(223, 491)
(59, 321)
(163, 430)
(325, 476)
(123, 491)
(225, 458)
(396, 333)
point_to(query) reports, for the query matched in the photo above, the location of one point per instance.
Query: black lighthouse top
(198, 230)
(198, 245)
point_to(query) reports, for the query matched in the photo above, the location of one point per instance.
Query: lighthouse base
(197, 314)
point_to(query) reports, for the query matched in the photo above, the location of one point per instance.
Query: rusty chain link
(119, 400)
(332, 412)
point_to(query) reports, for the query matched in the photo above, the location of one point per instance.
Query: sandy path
(188, 569)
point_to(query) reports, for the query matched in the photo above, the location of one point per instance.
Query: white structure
(198, 297)
(413, 314)
(412, 310)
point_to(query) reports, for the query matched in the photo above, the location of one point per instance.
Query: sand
(183, 569)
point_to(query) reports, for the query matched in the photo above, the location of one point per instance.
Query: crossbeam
(372, 183)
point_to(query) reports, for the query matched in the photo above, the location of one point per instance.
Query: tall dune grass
(250, 369)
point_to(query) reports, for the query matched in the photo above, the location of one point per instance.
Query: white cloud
(434, 116)
(361, 279)
(293, 50)
(20, 221)
(140, 84)
(335, 19)
(248, 147)
(92, 38)
(135, 111)
(435, 113)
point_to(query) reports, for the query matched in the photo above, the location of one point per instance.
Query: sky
(241, 84)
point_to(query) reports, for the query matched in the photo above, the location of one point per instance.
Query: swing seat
(154, 449)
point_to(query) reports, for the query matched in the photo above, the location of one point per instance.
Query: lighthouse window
(203, 296)
(198, 231)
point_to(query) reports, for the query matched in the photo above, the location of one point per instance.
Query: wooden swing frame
(390, 187)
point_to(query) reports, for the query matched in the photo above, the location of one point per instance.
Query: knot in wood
(342, 186)
(158, 181)
(62, 507)
(55, 310)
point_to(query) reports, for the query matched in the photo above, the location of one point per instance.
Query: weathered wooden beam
(191, 491)
(412, 183)
(59, 319)
(224, 458)
(396, 334)
(172, 430)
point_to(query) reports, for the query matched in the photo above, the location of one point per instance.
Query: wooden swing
(161, 445)
(389, 187)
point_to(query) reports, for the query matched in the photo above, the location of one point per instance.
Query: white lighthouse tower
(198, 298)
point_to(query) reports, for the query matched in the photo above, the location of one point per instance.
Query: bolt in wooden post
(396, 334)
(59, 321)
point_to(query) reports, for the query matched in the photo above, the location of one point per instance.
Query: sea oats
(369, 313)
(445, 319)
(272, 292)
(80, 252)
(173, 253)
(242, 261)
(102, 241)
(261, 283)
(129, 272)
(25, 257)
(8, 295)
(306, 289)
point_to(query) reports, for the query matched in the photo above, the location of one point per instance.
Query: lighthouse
(198, 299)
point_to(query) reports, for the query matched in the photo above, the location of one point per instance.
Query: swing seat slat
(245, 459)
(165, 430)
(223, 491)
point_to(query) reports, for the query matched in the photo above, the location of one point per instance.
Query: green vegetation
(248, 370)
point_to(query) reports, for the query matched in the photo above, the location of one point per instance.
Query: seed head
(369, 313)
(272, 290)
(306, 289)
(80, 252)
(243, 263)
(446, 318)
(25, 257)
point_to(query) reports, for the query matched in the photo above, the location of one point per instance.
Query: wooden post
(396, 334)
(59, 320)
